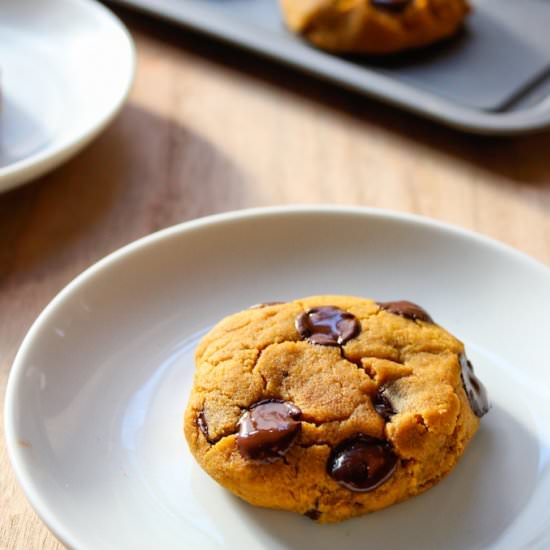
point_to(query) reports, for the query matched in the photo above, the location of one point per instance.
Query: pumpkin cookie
(331, 406)
(373, 26)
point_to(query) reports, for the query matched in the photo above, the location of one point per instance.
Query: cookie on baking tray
(373, 26)
(331, 406)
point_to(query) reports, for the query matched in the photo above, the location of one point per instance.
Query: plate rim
(45, 159)
(24, 477)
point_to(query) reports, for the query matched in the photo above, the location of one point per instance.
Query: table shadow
(118, 189)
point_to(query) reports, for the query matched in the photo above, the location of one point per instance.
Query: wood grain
(210, 128)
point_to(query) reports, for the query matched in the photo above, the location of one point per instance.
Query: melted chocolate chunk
(313, 514)
(475, 390)
(407, 310)
(382, 405)
(202, 424)
(327, 326)
(265, 304)
(391, 5)
(362, 463)
(268, 430)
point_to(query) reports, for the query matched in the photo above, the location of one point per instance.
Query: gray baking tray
(493, 78)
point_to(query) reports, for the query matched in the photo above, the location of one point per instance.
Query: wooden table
(210, 128)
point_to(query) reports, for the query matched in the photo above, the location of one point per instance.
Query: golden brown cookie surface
(330, 406)
(373, 26)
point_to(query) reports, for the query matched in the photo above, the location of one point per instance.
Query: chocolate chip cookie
(373, 26)
(331, 406)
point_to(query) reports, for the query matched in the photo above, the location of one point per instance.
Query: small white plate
(66, 67)
(96, 394)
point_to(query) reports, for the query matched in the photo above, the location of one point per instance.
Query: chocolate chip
(362, 463)
(202, 424)
(265, 304)
(391, 5)
(313, 514)
(407, 310)
(268, 430)
(382, 405)
(327, 325)
(475, 390)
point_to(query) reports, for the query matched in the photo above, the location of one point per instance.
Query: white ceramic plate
(95, 398)
(66, 67)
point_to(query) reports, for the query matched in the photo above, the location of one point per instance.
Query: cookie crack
(218, 391)
(239, 327)
(256, 361)
(218, 440)
(260, 349)
(316, 444)
(264, 382)
(319, 423)
(356, 362)
(420, 420)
